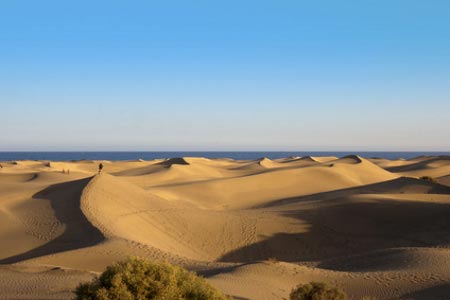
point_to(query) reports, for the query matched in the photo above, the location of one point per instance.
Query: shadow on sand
(438, 292)
(345, 225)
(79, 233)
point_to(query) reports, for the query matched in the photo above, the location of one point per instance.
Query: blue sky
(225, 75)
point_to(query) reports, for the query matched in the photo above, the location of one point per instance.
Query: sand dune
(58, 221)
(423, 166)
(445, 180)
(254, 228)
(245, 191)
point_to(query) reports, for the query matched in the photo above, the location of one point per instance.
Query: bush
(138, 279)
(428, 178)
(317, 291)
(272, 260)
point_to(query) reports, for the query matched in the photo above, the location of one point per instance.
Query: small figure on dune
(1, 167)
(100, 168)
(64, 171)
(68, 171)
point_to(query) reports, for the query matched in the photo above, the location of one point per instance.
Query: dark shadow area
(79, 232)
(211, 272)
(174, 161)
(343, 228)
(374, 261)
(353, 157)
(402, 185)
(438, 292)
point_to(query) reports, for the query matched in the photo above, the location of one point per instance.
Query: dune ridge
(254, 228)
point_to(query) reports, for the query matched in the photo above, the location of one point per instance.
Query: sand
(253, 228)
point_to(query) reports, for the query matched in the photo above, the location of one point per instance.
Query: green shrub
(317, 291)
(138, 279)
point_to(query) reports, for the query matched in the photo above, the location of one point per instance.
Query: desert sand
(253, 228)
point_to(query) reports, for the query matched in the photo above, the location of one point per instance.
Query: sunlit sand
(254, 228)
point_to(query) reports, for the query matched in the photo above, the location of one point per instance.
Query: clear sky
(225, 75)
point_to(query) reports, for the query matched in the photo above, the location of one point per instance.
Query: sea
(240, 155)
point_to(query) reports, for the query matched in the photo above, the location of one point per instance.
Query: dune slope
(254, 228)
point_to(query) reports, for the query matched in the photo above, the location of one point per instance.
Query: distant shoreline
(238, 155)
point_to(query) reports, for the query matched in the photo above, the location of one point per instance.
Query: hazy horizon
(227, 151)
(228, 76)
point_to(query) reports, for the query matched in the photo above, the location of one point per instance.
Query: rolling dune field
(255, 228)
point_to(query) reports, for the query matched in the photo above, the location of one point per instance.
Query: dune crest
(267, 163)
(254, 228)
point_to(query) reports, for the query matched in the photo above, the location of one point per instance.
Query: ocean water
(67, 156)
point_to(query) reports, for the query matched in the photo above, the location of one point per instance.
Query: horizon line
(202, 151)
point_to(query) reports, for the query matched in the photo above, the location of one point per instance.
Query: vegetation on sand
(317, 291)
(429, 179)
(138, 279)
